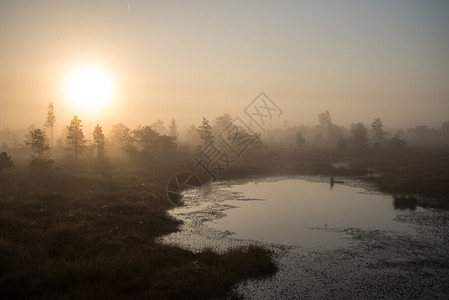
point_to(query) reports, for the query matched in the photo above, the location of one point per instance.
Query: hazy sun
(89, 88)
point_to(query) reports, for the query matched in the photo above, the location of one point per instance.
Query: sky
(188, 59)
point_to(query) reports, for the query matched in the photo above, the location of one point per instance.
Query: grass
(418, 172)
(413, 171)
(92, 236)
(90, 232)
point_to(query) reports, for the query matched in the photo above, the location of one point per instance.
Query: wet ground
(368, 263)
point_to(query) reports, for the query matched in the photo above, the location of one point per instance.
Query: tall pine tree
(50, 121)
(205, 131)
(99, 140)
(75, 136)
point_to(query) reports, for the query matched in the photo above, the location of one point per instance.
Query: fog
(323, 134)
(185, 61)
(113, 114)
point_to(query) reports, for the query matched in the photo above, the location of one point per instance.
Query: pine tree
(99, 140)
(377, 128)
(205, 132)
(325, 119)
(75, 136)
(115, 137)
(359, 135)
(300, 140)
(159, 127)
(127, 142)
(147, 138)
(173, 129)
(221, 122)
(50, 122)
(37, 141)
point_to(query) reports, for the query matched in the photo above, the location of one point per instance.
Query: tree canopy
(37, 141)
(359, 135)
(205, 132)
(75, 136)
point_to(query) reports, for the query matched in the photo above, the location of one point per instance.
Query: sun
(89, 88)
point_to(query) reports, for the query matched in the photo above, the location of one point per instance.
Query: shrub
(5, 161)
(41, 163)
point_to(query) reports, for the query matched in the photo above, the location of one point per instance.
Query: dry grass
(90, 233)
(424, 173)
(93, 236)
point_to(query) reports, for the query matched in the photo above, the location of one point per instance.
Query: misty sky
(188, 59)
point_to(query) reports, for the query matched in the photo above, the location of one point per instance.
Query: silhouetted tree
(300, 140)
(159, 127)
(75, 136)
(50, 121)
(116, 134)
(99, 140)
(378, 131)
(5, 161)
(334, 132)
(147, 138)
(397, 142)
(221, 122)
(37, 141)
(359, 135)
(127, 143)
(205, 132)
(257, 144)
(325, 119)
(167, 143)
(173, 129)
(422, 136)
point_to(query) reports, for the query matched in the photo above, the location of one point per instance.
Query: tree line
(358, 137)
(146, 140)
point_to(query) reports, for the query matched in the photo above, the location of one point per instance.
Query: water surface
(294, 211)
(342, 242)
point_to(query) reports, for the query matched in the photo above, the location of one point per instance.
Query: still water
(304, 212)
(298, 212)
(345, 241)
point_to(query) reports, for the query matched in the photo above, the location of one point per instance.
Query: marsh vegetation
(81, 218)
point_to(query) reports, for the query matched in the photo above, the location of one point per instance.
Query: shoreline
(433, 192)
(90, 220)
(76, 236)
(378, 253)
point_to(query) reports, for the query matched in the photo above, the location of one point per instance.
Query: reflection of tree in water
(332, 181)
(404, 202)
